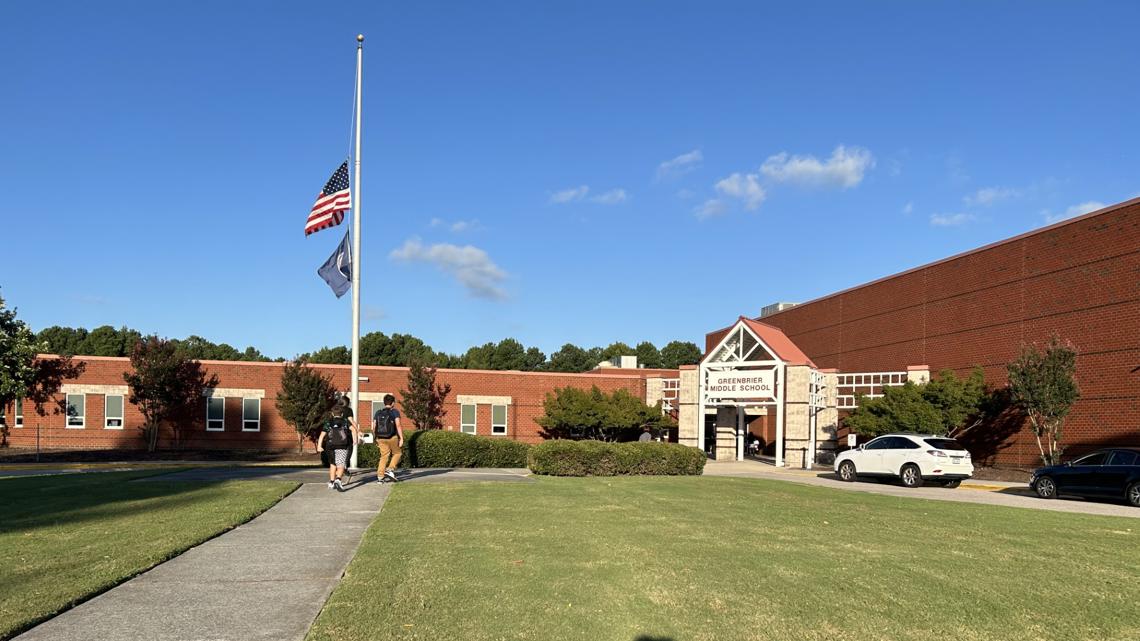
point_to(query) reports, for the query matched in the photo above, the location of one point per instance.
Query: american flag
(334, 200)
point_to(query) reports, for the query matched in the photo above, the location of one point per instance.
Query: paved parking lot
(985, 492)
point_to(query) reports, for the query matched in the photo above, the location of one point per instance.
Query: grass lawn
(66, 538)
(656, 559)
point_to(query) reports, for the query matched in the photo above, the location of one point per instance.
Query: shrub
(570, 412)
(596, 458)
(438, 448)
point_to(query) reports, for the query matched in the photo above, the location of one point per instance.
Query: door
(1117, 470)
(1082, 475)
(870, 459)
(897, 451)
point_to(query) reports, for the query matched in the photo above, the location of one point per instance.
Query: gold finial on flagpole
(360, 37)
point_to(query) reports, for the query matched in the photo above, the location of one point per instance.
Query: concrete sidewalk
(985, 492)
(267, 579)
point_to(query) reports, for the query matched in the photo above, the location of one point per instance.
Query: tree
(648, 355)
(616, 349)
(22, 375)
(167, 386)
(678, 353)
(534, 361)
(339, 355)
(946, 405)
(571, 358)
(63, 340)
(423, 400)
(900, 409)
(305, 400)
(1043, 385)
(572, 412)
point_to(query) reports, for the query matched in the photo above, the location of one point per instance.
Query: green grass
(64, 539)
(721, 558)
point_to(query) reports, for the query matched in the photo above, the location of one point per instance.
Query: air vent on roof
(768, 310)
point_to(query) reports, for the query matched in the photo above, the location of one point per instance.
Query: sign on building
(742, 384)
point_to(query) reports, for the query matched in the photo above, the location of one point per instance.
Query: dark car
(1113, 473)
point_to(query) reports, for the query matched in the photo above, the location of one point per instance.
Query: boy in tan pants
(389, 438)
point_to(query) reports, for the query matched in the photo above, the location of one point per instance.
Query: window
(879, 444)
(1092, 459)
(944, 444)
(215, 414)
(467, 419)
(498, 419)
(903, 443)
(19, 412)
(251, 414)
(75, 410)
(113, 412)
(1124, 457)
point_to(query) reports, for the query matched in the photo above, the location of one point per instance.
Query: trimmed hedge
(597, 458)
(440, 448)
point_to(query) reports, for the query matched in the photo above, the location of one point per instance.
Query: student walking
(389, 438)
(341, 435)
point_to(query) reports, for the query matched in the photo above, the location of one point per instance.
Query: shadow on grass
(650, 637)
(35, 502)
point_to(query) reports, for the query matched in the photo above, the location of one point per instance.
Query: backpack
(340, 434)
(384, 424)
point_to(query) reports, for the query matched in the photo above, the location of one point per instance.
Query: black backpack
(385, 423)
(340, 433)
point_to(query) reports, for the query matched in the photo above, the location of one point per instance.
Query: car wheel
(911, 476)
(1134, 494)
(1045, 487)
(952, 483)
(847, 471)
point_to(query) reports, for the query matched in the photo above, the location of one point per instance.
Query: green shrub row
(440, 448)
(597, 458)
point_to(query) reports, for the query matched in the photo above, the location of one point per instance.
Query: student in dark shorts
(340, 435)
(389, 438)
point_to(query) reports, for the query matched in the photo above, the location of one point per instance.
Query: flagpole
(356, 255)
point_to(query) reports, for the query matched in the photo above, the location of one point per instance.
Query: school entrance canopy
(753, 375)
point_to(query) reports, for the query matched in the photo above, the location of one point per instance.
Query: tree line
(377, 348)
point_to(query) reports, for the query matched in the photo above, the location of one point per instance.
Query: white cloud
(469, 265)
(908, 208)
(710, 208)
(455, 227)
(685, 194)
(1075, 210)
(989, 196)
(611, 197)
(951, 220)
(569, 195)
(845, 168)
(745, 187)
(682, 164)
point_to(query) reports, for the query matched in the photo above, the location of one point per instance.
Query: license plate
(956, 460)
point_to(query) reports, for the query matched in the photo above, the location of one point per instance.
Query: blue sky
(555, 172)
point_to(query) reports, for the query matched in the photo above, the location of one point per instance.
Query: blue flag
(337, 270)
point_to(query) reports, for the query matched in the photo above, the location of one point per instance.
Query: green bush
(596, 458)
(439, 448)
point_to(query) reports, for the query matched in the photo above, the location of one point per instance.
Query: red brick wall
(527, 390)
(1079, 280)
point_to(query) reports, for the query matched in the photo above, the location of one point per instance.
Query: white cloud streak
(471, 266)
(951, 220)
(908, 208)
(744, 187)
(682, 164)
(611, 197)
(710, 208)
(989, 196)
(1073, 211)
(569, 195)
(845, 168)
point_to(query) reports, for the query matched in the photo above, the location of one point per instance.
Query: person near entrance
(341, 435)
(389, 438)
(646, 435)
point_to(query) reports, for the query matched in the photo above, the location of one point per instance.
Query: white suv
(914, 458)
